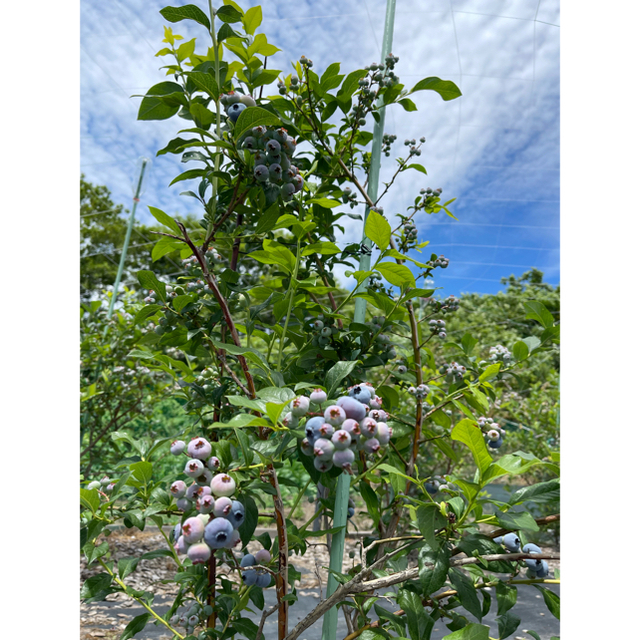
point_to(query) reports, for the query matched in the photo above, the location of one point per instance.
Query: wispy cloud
(496, 149)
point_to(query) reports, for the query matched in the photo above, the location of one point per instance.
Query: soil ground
(106, 620)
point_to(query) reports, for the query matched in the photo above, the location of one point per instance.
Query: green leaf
(417, 167)
(371, 500)
(149, 281)
(205, 82)
(142, 471)
(429, 520)
(490, 372)
(327, 203)
(248, 527)
(466, 592)
(507, 624)
(188, 12)
(551, 599)
(260, 47)
(228, 14)
(139, 622)
(252, 117)
(146, 312)
(507, 596)
(542, 492)
(324, 248)
(396, 274)
(408, 105)
(517, 520)
(418, 622)
(433, 566)
(180, 302)
(472, 631)
(445, 88)
(165, 220)
(378, 229)
(537, 311)
(337, 374)
(520, 350)
(468, 343)
(96, 585)
(252, 19)
(534, 635)
(127, 566)
(90, 498)
(471, 435)
(153, 107)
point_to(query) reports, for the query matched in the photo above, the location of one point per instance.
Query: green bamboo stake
(376, 153)
(127, 238)
(330, 624)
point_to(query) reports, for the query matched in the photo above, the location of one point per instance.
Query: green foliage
(253, 317)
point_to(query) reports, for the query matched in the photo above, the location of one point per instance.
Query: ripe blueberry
(235, 110)
(352, 408)
(511, 542)
(263, 580)
(343, 458)
(247, 561)
(249, 577)
(236, 514)
(218, 532)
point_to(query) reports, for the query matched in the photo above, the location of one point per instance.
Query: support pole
(127, 238)
(330, 624)
(376, 153)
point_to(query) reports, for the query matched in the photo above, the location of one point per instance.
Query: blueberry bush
(274, 372)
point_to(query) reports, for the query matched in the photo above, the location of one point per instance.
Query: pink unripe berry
(192, 530)
(335, 415)
(178, 489)
(351, 426)
(205, 504)
(343, 459)
(326, 431)
(199, 448)
(307, 447)
(341, 439)
(318, 396)
(383, 433)
(223, 485)
(371, 445)
(262, 556)
(379, 415)
(181, 546)
(323, 449)
(234, 540)
(368, 427)
(199, 553)
(222, 507)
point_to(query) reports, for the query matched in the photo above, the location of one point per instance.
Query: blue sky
(496, 149)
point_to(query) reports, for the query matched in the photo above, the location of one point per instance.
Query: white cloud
(496, 148)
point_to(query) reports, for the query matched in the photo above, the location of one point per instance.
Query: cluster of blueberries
(494, 434)
(453, 372)
(387, 140)
(192, 617)
(449, 304)
(235, 103)
(322, 329)
(413, 150)
(350, 198)
(272, 151)
(106, 485)
(500, 354)
(437, 483)
(356, 422)
(219, 516)
(438, 326)
(535, 568)
(438, 261)
(420, 392)
(254, 573)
